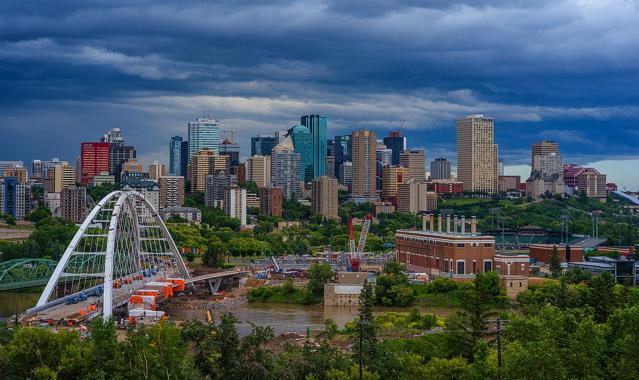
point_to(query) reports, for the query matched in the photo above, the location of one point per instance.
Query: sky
(561, 70)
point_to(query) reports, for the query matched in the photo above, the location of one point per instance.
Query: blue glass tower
(303, 144)
(343, 148)
(184, 160)
(262, 145)
(175, 155)
(317, 125)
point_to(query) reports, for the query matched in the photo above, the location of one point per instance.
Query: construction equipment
(357, 253)
(364, 234)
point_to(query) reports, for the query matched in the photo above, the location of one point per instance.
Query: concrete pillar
(439, 223)
(447, 224)
(463, 225)
(424, 218)
(455, 224)
(473, 225)
(432, 222)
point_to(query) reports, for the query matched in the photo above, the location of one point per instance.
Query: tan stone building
(325, 197)
(413, 196)
(477, 154)
(203, 163)
(171, 191)
(17, 171)
(157, 170)
(392, 177)
(593, 184)
(346, 291)
(258, 170)
(59, 177)
(415, 161)
(542, 148)
(364, 145)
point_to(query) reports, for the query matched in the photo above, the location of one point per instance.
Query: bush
(441, 285)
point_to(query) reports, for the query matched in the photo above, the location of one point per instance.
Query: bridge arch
(122, 244)
(24, 273)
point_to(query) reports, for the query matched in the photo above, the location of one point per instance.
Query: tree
(228, 343)
(366, 332)
(319, 274)
(555, 263)
(602, 297)
(215, 253)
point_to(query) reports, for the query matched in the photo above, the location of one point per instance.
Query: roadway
(628, 197)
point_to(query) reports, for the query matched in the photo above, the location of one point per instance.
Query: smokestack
(473, 225)
(463, 225)
(432, 222)
(447, 224)
(424, 217)
(439, 223)
(455, 224)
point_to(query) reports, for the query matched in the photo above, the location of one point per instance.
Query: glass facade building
(262, 145)
(204, 134)
(303, 144)
(175, 155)
(318, 126)
(184, 159)
(397, 143)
(343, 149)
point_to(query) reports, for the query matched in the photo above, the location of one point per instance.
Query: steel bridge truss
(122, 244)
(25, 273)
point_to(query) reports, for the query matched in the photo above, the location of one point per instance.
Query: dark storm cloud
(565, 70)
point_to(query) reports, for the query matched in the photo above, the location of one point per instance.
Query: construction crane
(357, 253)
(231, 131)
(364, 234)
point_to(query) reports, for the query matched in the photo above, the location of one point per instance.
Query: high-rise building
(303, 144)
(258, 170)
(346, 174)
(330, 166)
(271, 199)
(542, 148)
(203, 163)
(415, 161)
(240, 172)
(325, 197)
(397, 144)
(477, 154)
(150, 190)
(231, 149)
(262, 145)
(48, 164)
(59, 177)
(392, 177)
(113, 136)
(343, 148)
(285, 168)
(156, 170)
(318, 126)
(571, 175)
(95, 160)
(184, 159)
(132, 165)
(10, 164)
(37, 171)
(175, 155)
(440, 169)
(330, 147)
(171, 191)
(204, 133)
(118, 155)
(19, 172)
(73, 204)
(15, 198)
(217, 184)
(413, 197)
(593, 184)
(364, 166)
(383, 156)
(235, 204)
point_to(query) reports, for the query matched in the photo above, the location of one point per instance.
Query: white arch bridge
(122, 245)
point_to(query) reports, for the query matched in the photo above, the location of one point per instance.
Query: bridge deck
(210, 276)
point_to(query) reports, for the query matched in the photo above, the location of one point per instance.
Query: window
(445, 265)
(488, 266)
(461, 267)
(474, 266)
(460, 245)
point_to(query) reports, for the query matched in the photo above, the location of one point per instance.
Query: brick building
(542, 252)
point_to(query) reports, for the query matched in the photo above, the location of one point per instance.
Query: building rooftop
(181, 209)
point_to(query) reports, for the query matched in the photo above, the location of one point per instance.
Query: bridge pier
(214, 284)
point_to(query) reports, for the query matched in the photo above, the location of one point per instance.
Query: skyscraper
(397, 143)
(271, 200)
(542, 148)
(59, 177)
(325, 197)
(216, 185)
(15, 198)
(258, 170)
(204, 133)
(95, 160)
(440, 169)
(364, 145)
(285, 168)
(175, 155)
(184, 159)
(37, 171)
(477, 166)
(114, 136)
(262, 145)
(343, 149)
(318, 126)
(414, 161)
(118, 155)
(156, 170)
(303, 144)
(231, 149)
(73, 203)
(546, 174)
(235, 204)
(203, 163)
(171, 191)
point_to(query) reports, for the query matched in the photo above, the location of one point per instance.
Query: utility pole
(361, 356)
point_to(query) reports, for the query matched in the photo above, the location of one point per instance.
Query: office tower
(413, 197)
(542, 148)
(477, 166)
(318, 126)
(501, 166)
(364, 166)
(330, 148)
(156, 170)
(78, 169)
(262, 145)
(231, 149)
(258, 170)
(240, 172)
(175, 156)
(37, 171)
(325, 197)
(346, 174)
(303, 144)
(184, 159)
(94, 159)
(235, 204)
(15, 198)
(280, 136)
(113, 136)
(73, 204)
(217, 184)
(48, 164)
(132, 165)
(571, 175)
(330, 166)
(19, 172)
(118, 155)
(203, 133)
(383, 158)
(392, 177)
(271, 200)
(59, 177)
(415, 161)
(343, 149)
(203, 163)
(10, 164)
(397, 144)
(171, 191)
(593, 184)
(285, 168)
(439, 169)
(150, 190)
